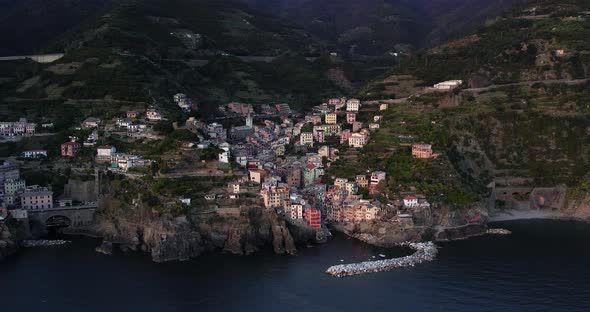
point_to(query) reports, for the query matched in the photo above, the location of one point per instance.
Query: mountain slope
(544, 40)
(142, 52)
(521, 118)
(375, 27)
(29, 25)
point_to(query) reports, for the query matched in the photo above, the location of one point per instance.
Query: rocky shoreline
(498, 232)
(44, 243)
(7, 243)
(424, 252)
(179, 239)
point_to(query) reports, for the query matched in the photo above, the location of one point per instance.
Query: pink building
(350, 117)
(240, 108)
(423, 151)
(133, 114)
(70, 149)
(91, 122)
(36, 197)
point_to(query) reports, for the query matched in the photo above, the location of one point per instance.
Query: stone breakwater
(43, 243)
(424, 252)
(498, 231)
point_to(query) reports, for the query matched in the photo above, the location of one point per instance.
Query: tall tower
(249, 122)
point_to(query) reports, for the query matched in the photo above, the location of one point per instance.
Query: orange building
(423, 151)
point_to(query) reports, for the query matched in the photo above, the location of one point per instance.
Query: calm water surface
(543, 266)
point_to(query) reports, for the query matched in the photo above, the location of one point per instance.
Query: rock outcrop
(438, 223)
(7, 244)
(169, 239)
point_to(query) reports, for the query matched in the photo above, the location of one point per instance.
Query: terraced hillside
(377, 27)
(142, 52)
(522, 116)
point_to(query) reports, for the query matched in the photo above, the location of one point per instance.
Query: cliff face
(168, 239)
(7, 245)
(578, 208)
(438, 223)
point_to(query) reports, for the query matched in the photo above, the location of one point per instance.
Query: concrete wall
(39, 58)
(82, 191)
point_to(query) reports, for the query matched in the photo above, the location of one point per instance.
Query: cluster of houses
(294, 185)
(284, 155)
(17, 128)
(15, 194)
(338, 110)
(185, 103)
(107, 154)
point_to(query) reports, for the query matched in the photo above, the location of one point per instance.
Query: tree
(163, 127)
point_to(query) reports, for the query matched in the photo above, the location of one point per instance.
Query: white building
(234, 188)
(124, 122)
(351, 188)
(12, 189)
(410, 201)
(153, 114)
(357, 140)
(448, 85)
(377, 177)
(295, 211)
(353, 105)
(306, 138)
(225, 154)
(182, 101)
(105, 152)
(35, 153)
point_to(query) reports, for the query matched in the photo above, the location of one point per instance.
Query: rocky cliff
(578, 207)
(166, 238)
(438, 223)
(7, 244)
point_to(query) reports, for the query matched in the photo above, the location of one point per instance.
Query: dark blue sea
(543, 266)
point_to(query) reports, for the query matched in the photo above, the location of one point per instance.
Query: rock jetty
(424, 252)
(43, 243)
(498, 231)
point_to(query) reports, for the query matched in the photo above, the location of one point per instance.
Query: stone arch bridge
(74, 216)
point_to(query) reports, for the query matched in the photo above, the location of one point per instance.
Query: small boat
(341, 260)
(382, 256)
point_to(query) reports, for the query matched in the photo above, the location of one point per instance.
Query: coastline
(514, 215)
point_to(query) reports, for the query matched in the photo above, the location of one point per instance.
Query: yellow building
(331, 118)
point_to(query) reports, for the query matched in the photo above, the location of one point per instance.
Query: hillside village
(409, 157)
(271, 154)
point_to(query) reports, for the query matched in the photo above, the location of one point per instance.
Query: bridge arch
(58, 221)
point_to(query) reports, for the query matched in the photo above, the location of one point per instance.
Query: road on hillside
(570, 82)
